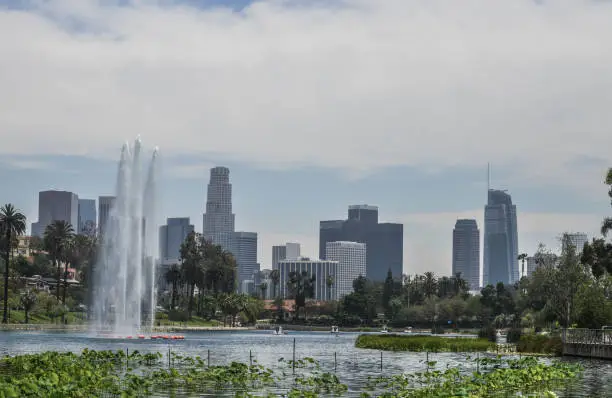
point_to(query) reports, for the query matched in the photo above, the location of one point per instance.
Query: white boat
(335, 330)
(279, 331)
(408, 330)
(384, 330)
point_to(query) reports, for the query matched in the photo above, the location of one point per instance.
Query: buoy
(141, 336)
(129, 337)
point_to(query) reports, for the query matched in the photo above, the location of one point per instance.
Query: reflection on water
(353, 365)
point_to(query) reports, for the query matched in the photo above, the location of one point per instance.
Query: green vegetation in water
(107, 373)
(540, 344)
(394, 342)
(496, 377)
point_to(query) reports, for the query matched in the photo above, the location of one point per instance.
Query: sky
(315, 105)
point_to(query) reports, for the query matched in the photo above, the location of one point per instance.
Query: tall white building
(577, 239)
(56, 206)
(321, 269)
(351, 258)
(288, 251)
(218, 221)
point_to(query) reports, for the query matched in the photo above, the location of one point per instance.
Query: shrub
(540, 344)
(488, 332)
(178, 316)
(394, 342)
(514, 335)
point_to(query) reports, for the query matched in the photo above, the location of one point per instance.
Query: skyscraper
(577, 239)
(171, 236)
(218, 221)
(384, 241)
(56, 206)
(245, 251)
(351, 258)
(105, 205)
(87, 216)
(500, 240)
(288, 251)
(466, 252)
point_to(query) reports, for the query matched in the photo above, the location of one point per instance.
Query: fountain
(124, 276)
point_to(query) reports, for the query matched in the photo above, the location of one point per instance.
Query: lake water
(334, 353)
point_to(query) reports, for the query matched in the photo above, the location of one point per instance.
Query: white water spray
(124, 281)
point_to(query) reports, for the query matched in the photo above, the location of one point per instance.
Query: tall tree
(606, 225)
(275, 278)
(329, 282)
(173, 276)
(56, 238)
(301, 287)
(430, 284)
(387, 294)
(192, 259)
(12, 224)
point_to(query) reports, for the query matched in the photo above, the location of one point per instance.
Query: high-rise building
(320, 269)
(577, 239)
(56, 206)
(171, 236)
(87, 216)
(245, 251)
(466, 252)
(105, 205)
(288, 251)
(351, 258)
(500, 240)
(218, 221)
(384, 241)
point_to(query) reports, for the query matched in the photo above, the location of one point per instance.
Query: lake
(334, 353)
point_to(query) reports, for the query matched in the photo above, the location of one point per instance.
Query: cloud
(26, 163)
(428, 236)
(355, 85)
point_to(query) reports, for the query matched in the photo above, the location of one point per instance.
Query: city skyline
(312, 142)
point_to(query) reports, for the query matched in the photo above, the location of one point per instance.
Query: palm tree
(329, 281)
(56, 239)
(275, 278)
(301, 287)
(430, 284)
(12, 224)
(263, 287)
(606, 226)
(173, 276)
(192, 265)
(522, 257)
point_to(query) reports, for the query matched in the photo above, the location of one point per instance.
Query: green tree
(263, 287)
(275, 278)
(173, 277)
(12, 224)
(387, 295)
(192, 265)
(329, 282)
(56, 240)
(301, 287)
(28, 300)
(606, 225)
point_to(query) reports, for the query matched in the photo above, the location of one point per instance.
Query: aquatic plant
(122, 374)
(495, 377)
(394, 342)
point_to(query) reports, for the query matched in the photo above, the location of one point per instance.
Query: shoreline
(84, 327)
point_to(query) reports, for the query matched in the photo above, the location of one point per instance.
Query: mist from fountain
(124, 276)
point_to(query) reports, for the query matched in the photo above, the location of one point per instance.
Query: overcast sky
(315, 105)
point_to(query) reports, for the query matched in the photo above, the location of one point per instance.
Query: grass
(393, 342)
(73, 318)
(540, 344)
(195, 321)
